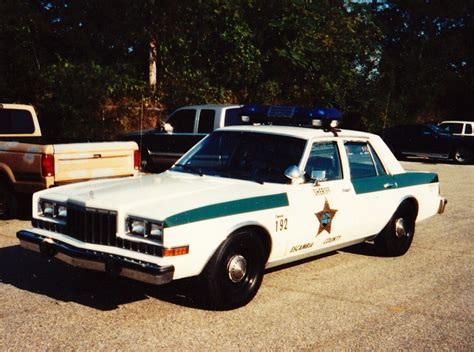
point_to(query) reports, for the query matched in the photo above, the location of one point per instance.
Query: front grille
(96, 226)
(92, 225)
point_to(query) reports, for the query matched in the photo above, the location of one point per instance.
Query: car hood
(159, 196)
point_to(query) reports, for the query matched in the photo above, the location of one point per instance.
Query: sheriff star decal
(325, 218)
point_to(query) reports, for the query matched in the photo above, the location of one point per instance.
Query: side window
(324, 162)
(363, 161)
(452, 127)
(206, 121)
(468, 129)
(182, 121)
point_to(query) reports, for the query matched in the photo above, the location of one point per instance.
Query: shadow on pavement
(32, 272)
(365, 248)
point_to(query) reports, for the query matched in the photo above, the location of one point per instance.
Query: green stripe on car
(228, 208)
(386, 182)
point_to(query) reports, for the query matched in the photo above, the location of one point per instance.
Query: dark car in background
(428, 141)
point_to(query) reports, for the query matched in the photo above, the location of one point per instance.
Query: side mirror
(167, 128)
(295, 174)
(318, 175)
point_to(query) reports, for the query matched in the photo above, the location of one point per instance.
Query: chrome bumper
(442, 205)
(94, 260)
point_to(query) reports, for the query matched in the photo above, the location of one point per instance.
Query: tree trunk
(152, 65)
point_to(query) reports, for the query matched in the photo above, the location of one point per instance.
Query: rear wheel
(396, 152)
(145, 162)
(462, 155)
(8, 202)
(395, 239)
(235, 271)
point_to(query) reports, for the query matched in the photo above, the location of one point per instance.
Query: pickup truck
(429, 142)
(30, 162)
(162, 146)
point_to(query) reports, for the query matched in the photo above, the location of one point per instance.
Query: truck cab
(184, 127)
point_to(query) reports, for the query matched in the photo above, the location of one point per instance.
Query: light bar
(291, 115)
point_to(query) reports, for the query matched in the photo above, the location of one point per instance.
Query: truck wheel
(462, 155)
(146, 163)
(8, 202)
(395, 239)
(235, 271)
(396, 152)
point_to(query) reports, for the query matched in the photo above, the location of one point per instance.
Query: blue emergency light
(291, 116)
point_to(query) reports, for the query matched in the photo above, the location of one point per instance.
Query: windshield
(252, 156)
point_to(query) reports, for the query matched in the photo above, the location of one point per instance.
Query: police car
(287, 186)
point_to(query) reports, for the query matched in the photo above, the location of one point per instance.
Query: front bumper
(94, 260)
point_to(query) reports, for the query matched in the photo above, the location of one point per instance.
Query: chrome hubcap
(400, 228)
(237, 268)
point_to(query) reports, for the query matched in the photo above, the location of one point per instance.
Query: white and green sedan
(244, 199)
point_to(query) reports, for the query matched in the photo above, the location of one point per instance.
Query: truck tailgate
(84, 161)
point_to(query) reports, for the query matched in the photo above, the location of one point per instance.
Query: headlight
(53, 210)
(150, 229)
(137, 227)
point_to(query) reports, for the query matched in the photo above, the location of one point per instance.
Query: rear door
(374, 188)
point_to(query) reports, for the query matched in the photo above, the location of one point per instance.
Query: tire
(462, 155)
(397, 236)
(235, 272)
(396, 152)
(8, 202)
(146, 164)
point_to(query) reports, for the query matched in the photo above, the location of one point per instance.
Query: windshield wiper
(189, 168)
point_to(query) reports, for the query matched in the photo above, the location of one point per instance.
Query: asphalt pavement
(348, 300)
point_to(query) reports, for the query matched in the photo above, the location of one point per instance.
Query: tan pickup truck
(29, 163)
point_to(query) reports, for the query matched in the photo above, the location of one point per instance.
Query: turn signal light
(47, 165)
(172, 252)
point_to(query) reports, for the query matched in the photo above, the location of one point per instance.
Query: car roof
(300, 132)
(456, 121)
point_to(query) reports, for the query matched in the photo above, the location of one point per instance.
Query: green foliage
(73, 98)
(85, 64)
(427, 59)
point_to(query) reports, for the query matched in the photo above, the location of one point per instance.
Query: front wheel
(235, 272)
(8, 203)
(395, 239)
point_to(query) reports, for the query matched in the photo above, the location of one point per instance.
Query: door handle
(389, 185)
(348, 189)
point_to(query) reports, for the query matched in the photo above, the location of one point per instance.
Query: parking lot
(350, 299)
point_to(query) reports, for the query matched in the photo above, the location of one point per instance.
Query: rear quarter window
(468, 129)
(232, 117)
(206, 121)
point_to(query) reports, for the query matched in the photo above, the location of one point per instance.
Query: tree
(427, 59)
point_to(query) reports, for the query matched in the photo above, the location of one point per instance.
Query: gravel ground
(348, 300)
